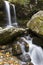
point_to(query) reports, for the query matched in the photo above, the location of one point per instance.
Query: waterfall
(7, 5)
(14, 21)
(11, 14)
(35, 52)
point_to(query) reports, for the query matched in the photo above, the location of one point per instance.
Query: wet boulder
(36, 24)
(25, 58)
(9, 33)
(16, 49)
(26, 47)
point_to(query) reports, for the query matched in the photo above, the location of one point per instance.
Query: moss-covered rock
(9, 33)
(36, 23)
(16, 49)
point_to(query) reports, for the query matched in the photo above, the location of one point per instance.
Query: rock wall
(2, 14)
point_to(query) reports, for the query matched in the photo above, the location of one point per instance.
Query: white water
(7, 4)
(8, 12)
(35, 52)
(15, 21)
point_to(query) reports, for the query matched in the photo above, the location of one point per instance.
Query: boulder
(9, 33)
(36, 24)
(16, 49)
(26, 47)
(25, 58)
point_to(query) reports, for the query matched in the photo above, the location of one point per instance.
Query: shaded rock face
(25, 11)
(28, 9)
(22, 11)
(25, 8)
(36, 23)
(38, 41)
(40, 4)
(3, 18)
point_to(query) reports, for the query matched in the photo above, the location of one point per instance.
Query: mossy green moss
(36, 23)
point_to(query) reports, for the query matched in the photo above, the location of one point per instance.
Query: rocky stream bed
(21, 45)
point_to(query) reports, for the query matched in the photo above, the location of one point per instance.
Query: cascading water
(15, 20)
(35, 52)
(8, 12)
(11, 16)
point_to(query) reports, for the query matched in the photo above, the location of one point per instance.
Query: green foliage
(24, 1)
(20, 1)
(40, 4)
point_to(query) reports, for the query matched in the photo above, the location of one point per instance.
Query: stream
(35, 52)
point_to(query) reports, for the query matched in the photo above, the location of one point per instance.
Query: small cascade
(35, 52)
(8, 12)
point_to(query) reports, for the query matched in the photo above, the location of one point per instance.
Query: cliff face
(2, 14)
